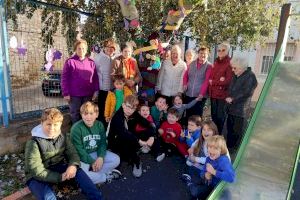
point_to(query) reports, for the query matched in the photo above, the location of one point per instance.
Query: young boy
(193, 131)
(180, 107)
(147, 133)
(89, 138)
(123, 141)
(116, 97)
(51, 158)
(158, 111)
(170, 131)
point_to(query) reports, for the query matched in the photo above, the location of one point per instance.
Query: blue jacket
(224, 170)
(194, 137)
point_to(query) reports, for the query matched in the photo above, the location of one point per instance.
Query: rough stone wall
(25, 69)
(13, 139)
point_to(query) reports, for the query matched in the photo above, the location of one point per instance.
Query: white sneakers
(137, 170)
(160, 157)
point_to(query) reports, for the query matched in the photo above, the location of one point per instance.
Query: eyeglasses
(130, 107)
(221, 50)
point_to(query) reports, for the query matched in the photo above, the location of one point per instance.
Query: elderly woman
(170, 78)
(196, 82)
(189, 57)
(127, 66)
(220, 78)
(238, 100)
(79, 79)
(103, 62)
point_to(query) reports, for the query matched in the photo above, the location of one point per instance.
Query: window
(266, 64)
(268, 61)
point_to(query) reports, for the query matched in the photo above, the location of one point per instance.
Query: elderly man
(238, 101)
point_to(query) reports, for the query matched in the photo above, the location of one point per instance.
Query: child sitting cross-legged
(116, 97)
(50, 157)
(89, 138)
(147, 133)
(193, 131)
(216, 168)
(170, 132)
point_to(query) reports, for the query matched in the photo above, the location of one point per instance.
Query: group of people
(121, 125)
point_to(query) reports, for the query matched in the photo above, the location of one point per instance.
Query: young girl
(217, 168)
(180, 107)
(198, 151)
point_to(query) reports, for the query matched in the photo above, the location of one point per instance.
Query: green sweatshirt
(89, 139)
(42, 152)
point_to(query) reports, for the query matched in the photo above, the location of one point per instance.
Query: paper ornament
(13, 42)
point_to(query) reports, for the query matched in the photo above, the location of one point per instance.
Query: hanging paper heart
(57, 55)
(13, 42)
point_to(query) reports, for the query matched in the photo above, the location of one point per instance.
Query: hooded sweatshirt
(41, 152)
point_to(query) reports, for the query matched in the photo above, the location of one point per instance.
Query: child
(217, 168)
(116, 97)
(180, 107)
(147, 134)
(170, 131)
(158, 111)
(198, 150)
(89, 138)
(193, 131)
(123, 141)
(51, 158)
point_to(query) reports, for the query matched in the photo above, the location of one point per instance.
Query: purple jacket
(79, 77)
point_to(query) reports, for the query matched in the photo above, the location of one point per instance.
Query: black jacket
(241, 90)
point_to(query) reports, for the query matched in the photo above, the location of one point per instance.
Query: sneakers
(186, 178)
(145, 149)
(137, 171)
(160, 157)
(189, 163)
(113, 175)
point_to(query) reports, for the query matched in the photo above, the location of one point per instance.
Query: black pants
(218, 112)
(126, 148)
(197, 109)
(101, 104)
(145, 135)
(235, 130)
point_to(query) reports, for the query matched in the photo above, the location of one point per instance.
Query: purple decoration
(141, 58)
(126, 2)
(96, 48)
(48, 67)
(126, 24)
(57, 55)
(21, 51)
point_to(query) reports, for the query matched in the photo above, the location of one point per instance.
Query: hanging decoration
(13, 42)
(96, 48)
(22, 49)
(130, 14)
(57, 55)
(49, 58)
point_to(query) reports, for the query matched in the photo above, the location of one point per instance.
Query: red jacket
(221, 68)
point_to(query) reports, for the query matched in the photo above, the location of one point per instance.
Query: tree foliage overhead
(241, 22)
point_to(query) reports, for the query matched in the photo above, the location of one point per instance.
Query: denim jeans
(43, 191)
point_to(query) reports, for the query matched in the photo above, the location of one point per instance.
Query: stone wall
(25, 69)
(13, 139)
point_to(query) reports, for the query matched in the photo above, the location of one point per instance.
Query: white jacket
(170, 78)
(103, 65)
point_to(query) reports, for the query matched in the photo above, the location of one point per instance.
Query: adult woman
(196, 82)
(103, 62)
(220, 78)
(189, 56)
(127, 66)
(79, 79)
(238, 100)
(170, 77)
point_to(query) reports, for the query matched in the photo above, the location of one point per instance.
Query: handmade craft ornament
(57, 55)
(22, 49)
(13, 42)
(49, 58)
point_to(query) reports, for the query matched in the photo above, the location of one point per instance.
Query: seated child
(216, 168)
(180, 107)
(193, 131)
(123, 141)
(158, 111)
(50, 157)
(89, 138)
(116, 97)
(147, 134)
(170, 132)
(198, 151)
